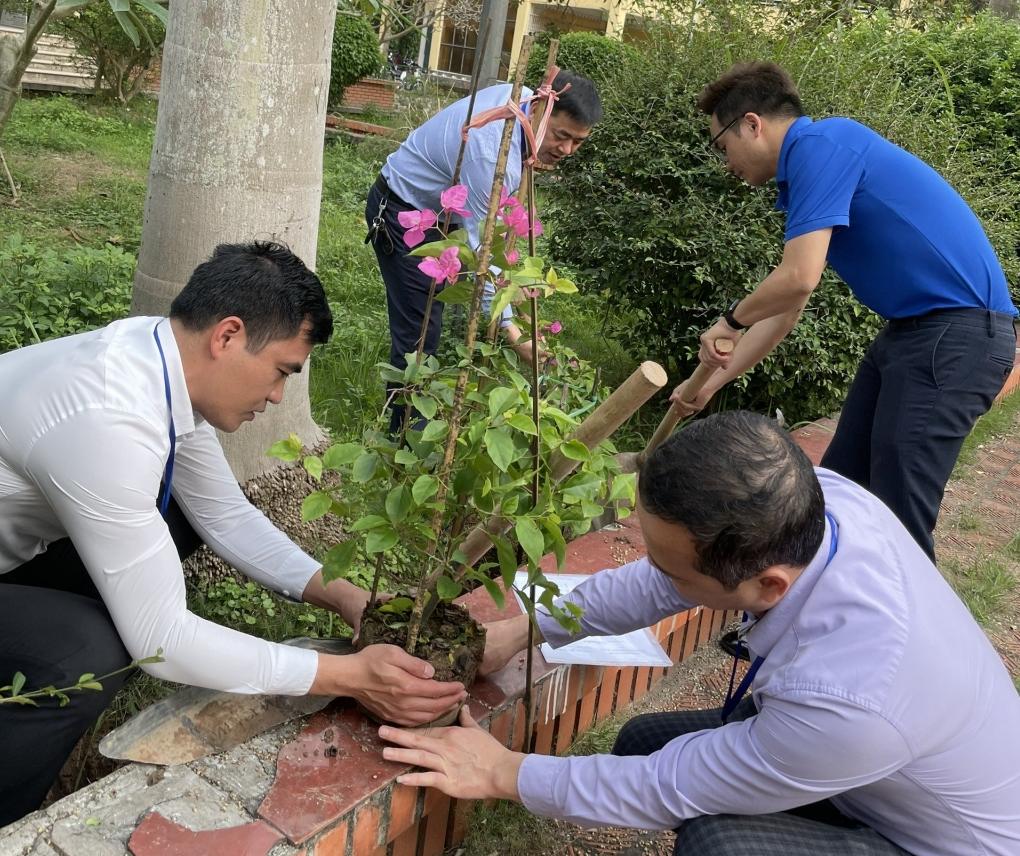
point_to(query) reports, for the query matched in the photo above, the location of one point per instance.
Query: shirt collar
(184, 413)
(766, 632)
(792, 133)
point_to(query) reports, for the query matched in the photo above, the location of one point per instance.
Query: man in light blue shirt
(908, 247)
(415, 176)
(880, 720)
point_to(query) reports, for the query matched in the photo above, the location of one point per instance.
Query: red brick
(403, 807)
(367, 834)
(161, 837)
(705, 629)
(436, 823)
(406, 844)
(517, 742)
(500, 726)
(334, 842)
(640, 683)
(607, 694)
(586, 713)
(625, 688)
(460, 816)
(690, 637)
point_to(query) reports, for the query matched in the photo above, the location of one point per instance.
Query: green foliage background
(595, 56)
(650, 218)
(355, 55)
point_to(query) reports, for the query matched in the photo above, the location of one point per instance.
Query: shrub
(102, 48)
(652, 220)
(355, 55)
(44, 295)
(595, 56)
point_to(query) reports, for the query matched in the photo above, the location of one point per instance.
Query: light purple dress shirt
(878, 690)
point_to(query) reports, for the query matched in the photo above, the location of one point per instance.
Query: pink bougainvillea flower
(416, 222)
(517, 220)
(538, 227)
(553, 328)
(454, 198)
(443, 269)
(553, 362)
(508, 201)
(512, 257)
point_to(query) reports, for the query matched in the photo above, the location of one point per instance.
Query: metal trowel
(196, 722)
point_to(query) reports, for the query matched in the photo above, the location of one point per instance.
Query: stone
(157, 836)
(20, 837)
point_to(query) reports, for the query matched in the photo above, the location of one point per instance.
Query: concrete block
(21, 837)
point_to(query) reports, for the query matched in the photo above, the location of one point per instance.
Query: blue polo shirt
(903, 240)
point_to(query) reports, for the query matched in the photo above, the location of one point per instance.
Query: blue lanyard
(733, 699)
(163, 500)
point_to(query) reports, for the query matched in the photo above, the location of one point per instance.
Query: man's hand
(503, 639)
(389, 682)
(689, 408)
(710, 354)
(466, 762)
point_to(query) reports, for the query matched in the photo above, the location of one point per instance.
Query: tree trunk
(238, 157)
(16, 52)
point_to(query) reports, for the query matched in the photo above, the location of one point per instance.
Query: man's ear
(754, 124)
(773, 584)
(226, 336)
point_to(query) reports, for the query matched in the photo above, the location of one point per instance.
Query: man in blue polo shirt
(908, 247)
(415, 176)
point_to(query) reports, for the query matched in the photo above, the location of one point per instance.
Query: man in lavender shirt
(880, 719)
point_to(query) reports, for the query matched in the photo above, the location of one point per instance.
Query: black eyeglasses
(715, 139)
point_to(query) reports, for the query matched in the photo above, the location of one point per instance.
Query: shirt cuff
(293, 575)
(536, 779)
(294, 671)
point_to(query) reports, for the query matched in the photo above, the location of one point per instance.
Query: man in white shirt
(415, 176)
(93, 427)
(880, 721)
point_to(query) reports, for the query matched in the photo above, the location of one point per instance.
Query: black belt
(380, 183)
(973, 316)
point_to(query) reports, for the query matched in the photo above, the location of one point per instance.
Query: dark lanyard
(733, 699)
(163, 500)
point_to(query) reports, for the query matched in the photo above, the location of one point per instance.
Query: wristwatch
(729, 319)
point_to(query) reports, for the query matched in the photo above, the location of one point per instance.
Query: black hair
(265, 285)
(743, 489)
(581, 102)
(751, 87)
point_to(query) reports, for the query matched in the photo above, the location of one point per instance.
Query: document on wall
(637, 648)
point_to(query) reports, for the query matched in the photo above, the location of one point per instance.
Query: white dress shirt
(84, 439)
(878, 690)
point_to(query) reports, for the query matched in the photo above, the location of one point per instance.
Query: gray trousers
(818, 829)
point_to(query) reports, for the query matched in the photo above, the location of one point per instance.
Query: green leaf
(127, 25)
(426, 406)
(340, 454)
(500, 447)
(559, 545)
(18, 683)
(495, 592)
(313, 466)
(435, 431)
(315, 506)
(623, 487)
(88, 676)
(286, 450)
(406, 458)
(500, 400)
(460, 292)
(92, 685)
(364, 467)
(380, 540)
(448, 589)
(93, 821)
(398, 606)
(504, 297)
(339, 560)
(464, 481)
(424, 488)
(523, 423)
(575, 450)
(398, 503)
(154, 9)
(369, 521)
(530, 538)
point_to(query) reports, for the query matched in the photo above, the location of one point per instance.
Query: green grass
(996, 422)
(983, 586)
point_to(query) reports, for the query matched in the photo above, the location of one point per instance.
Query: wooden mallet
(694, 385)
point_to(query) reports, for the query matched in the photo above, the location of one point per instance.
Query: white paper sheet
(637, 648)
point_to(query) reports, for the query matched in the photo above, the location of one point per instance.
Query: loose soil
(451, 640)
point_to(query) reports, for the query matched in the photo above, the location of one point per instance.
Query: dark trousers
(916, 396)
(809, 830)
(54, 628)
(407, 288)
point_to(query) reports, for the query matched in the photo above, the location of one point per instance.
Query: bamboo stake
(429, 584)
(646, 380)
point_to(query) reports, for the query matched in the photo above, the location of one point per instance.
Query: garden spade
(196, 722)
